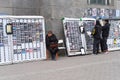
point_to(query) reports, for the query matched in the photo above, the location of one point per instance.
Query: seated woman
(52, 44)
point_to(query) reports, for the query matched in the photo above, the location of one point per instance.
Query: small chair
(61, 45)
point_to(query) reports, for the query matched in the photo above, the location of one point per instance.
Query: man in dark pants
(97, 35)
(105, 34)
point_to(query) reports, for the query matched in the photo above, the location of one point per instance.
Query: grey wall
(20, 7)
(57, 9)
(5, 6)
(52, 10)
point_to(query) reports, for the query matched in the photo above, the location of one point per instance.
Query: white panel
(31, 50)
(7, 54)
(35, 49)
(19, 57)
(42, 50)
(39, 50)
(2, 54)
(15, 57)
(27, 53)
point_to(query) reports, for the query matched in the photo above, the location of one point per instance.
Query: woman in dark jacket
(52, 44)
(97, 37)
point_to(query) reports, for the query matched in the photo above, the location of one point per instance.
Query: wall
(52, 10)
(20, 7)
(58, 9)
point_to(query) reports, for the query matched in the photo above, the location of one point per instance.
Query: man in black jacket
(97, 37)
(51, 44)
(105, 34)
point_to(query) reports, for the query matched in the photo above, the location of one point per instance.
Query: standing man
(105, 34)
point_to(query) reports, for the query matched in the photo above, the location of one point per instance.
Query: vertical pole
(44, 42)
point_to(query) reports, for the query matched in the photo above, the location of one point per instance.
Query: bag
(53, 45)
(93, 31)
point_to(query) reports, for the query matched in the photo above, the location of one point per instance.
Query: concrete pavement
(89, 67)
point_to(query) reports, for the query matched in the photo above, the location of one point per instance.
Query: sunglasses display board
(75, 31)
(26, 42)
(114, 35)
(89, 25)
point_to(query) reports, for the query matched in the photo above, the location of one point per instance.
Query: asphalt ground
(88, 67)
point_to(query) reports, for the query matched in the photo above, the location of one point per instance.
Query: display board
(89, 25)
(73, 34)
(27, 41)
(114, 35)
(75, 38)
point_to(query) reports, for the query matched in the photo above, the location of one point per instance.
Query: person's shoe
(106, 52)
(53, 59)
